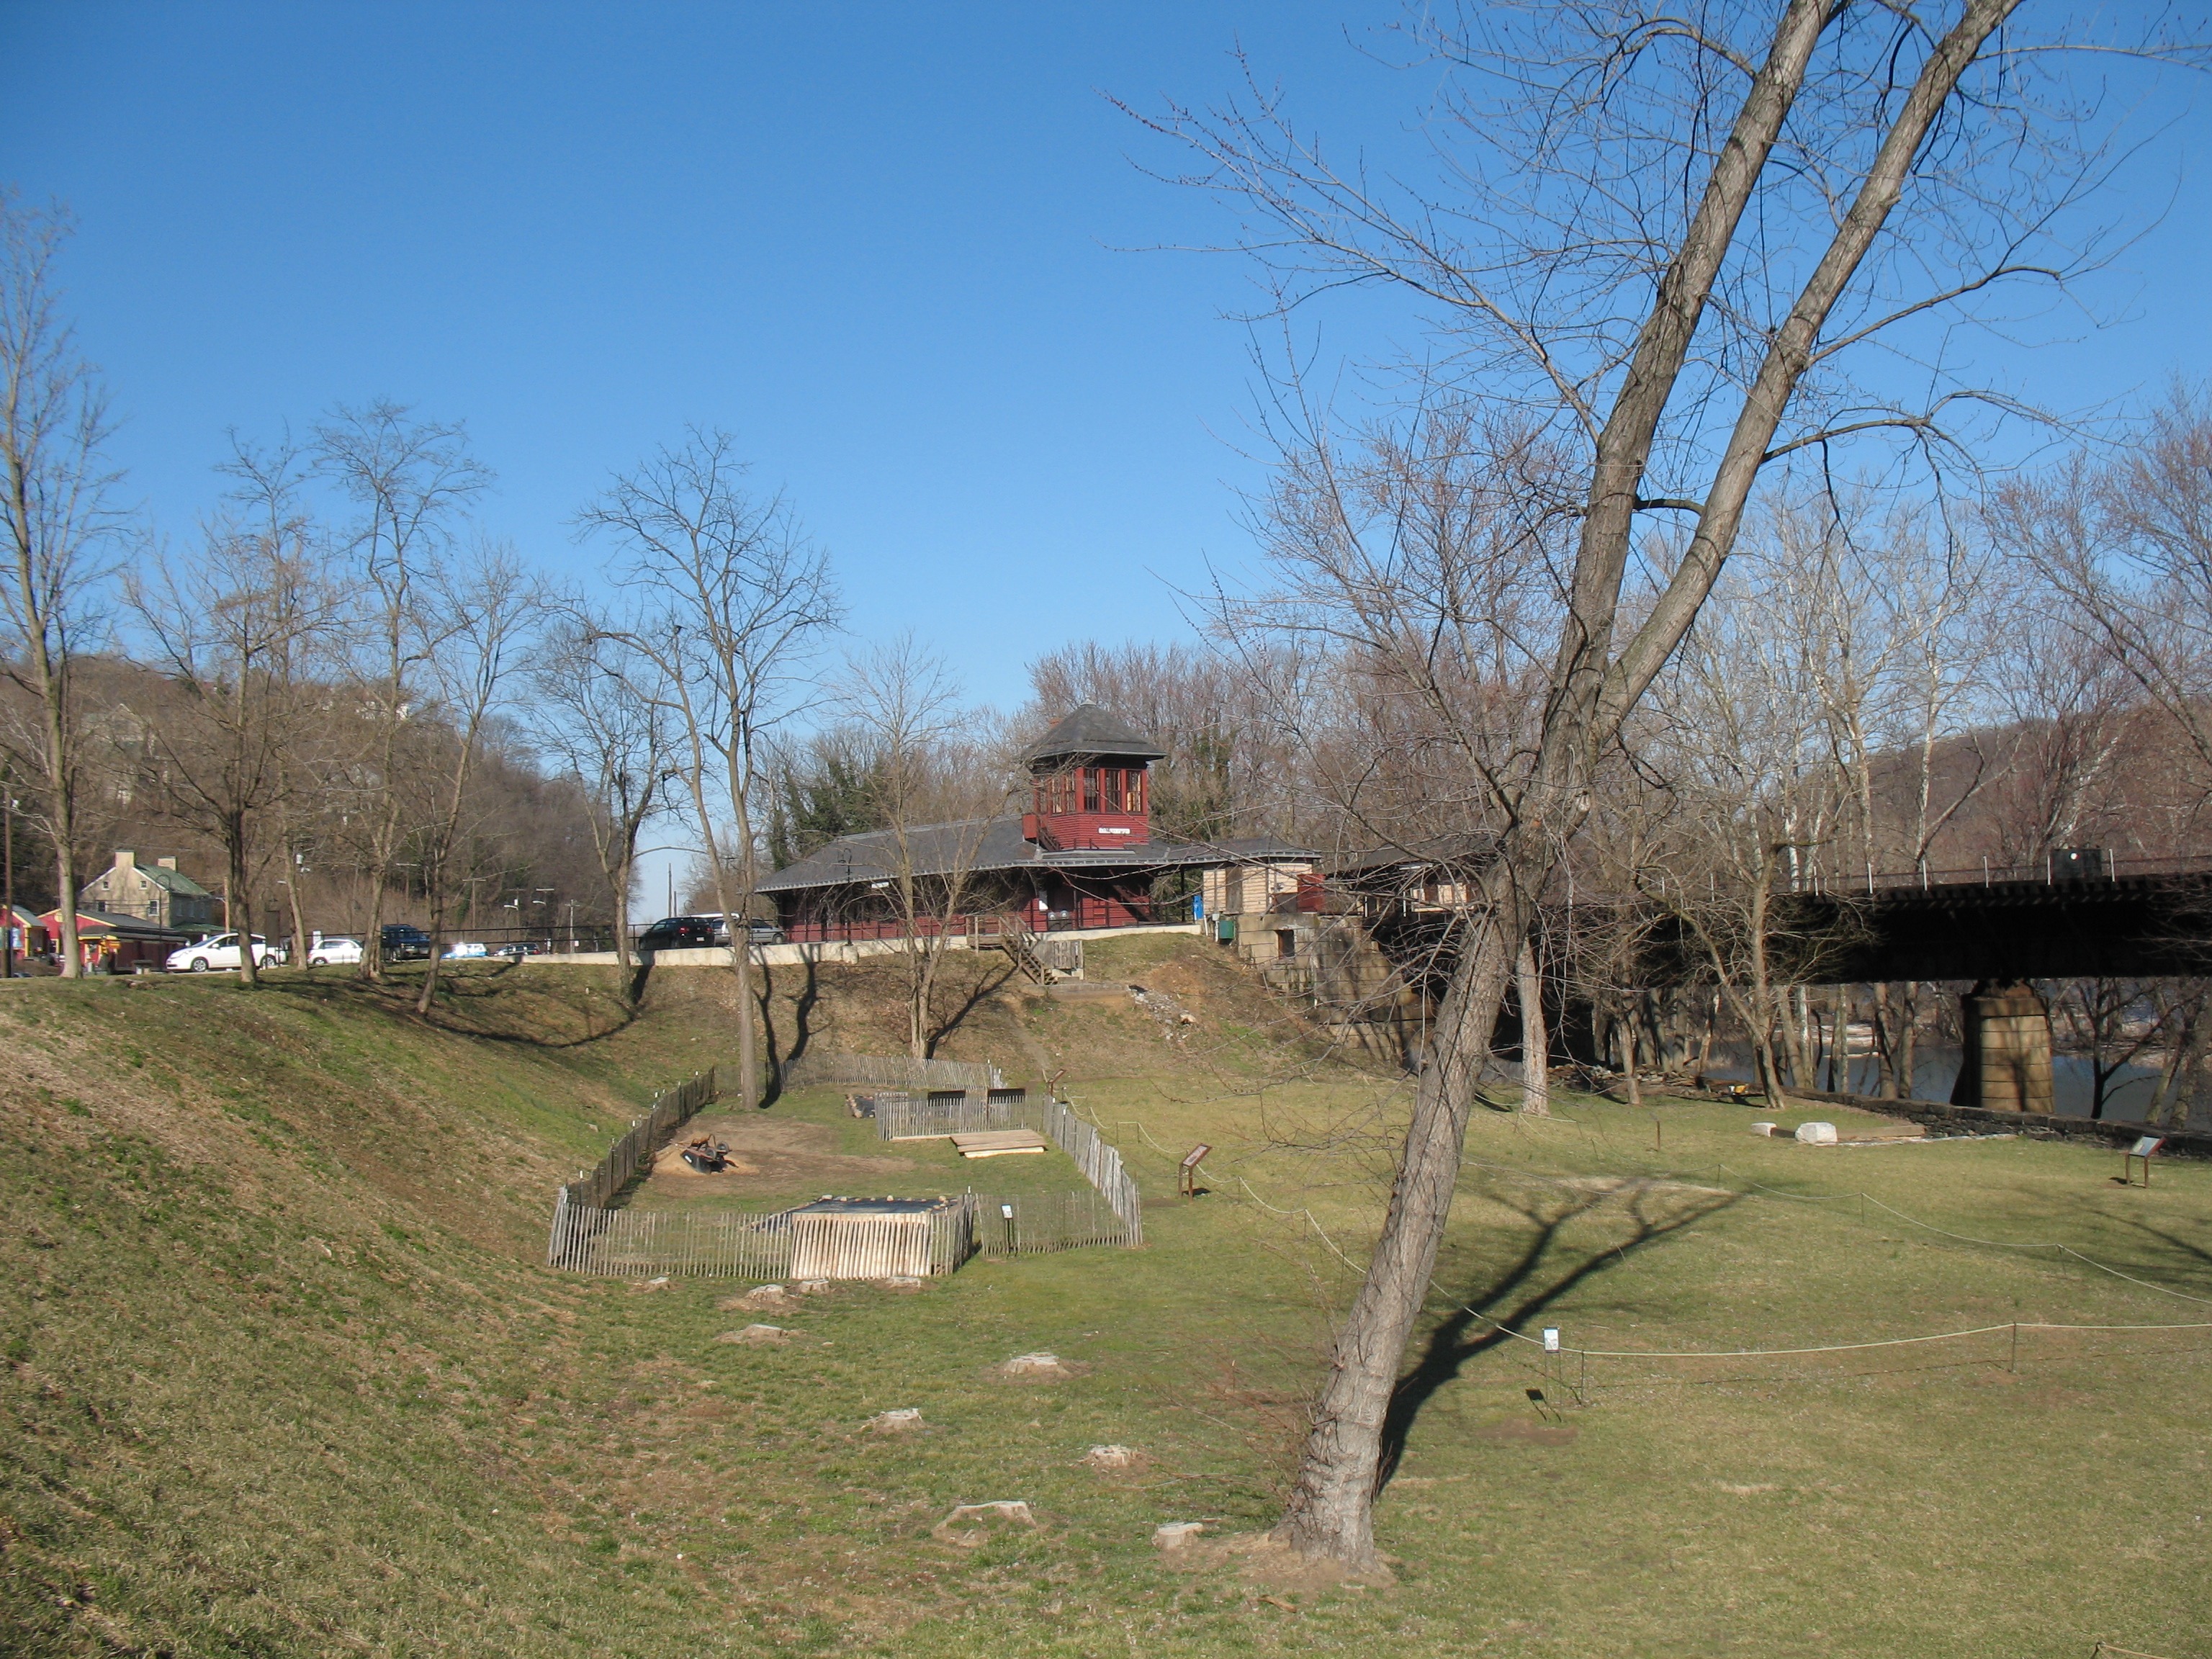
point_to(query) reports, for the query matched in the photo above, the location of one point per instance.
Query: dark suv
(404, 942)
(682, 933)
(701, 933)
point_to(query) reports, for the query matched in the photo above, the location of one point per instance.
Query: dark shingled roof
(178, 883)
(981, 844)
(1091, 729)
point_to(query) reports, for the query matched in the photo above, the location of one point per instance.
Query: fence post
(555, 1245)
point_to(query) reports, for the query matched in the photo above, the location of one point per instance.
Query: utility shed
(881, 1237)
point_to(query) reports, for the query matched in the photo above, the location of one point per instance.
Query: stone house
(157, 893)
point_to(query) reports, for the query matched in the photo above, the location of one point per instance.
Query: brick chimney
(166, 864)
(125, 859)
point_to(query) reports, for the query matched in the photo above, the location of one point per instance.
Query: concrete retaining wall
(792, 956)
(2042, 1126)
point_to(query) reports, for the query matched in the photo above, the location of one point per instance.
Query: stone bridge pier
(2006, 1064)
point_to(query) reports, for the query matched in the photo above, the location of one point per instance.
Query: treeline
(343, 700)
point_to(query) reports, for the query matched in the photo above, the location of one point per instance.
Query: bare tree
(235, 629)
(1671, 232)
(605, 715)
(2127, 542)
(934, 791)
(475, 614)
(54, 429)
(411, 480)
(735, 600)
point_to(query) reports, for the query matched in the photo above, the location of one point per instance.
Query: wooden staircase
(1022, 946)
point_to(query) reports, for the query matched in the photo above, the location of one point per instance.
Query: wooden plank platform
(998, 1142)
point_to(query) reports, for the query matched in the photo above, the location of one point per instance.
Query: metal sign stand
(1187, 1172)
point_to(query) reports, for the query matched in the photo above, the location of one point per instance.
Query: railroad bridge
(2136, 925)
(2081, 916)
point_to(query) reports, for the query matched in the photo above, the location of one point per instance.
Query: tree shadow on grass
(1526, 1285)
(802, 1006)
(457, 993)
(985, 984)
(2194, 1266)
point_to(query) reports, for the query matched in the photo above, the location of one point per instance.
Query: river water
(2127, 1094)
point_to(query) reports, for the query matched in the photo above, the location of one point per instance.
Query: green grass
(283, 1377)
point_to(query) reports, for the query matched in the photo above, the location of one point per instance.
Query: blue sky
(878, 244)
(881, 244)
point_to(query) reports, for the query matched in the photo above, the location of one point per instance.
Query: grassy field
(284, 1376)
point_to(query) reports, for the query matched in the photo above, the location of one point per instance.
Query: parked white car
(462, 950)
(333, 950)
(221, 952)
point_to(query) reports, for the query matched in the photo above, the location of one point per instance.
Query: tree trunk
(1767, 1073)
(1792, 1011)
(1535, 1036)
(239, 913)
(624, 964)
(2169, 1107)
(1908, 1019)
(301, 948)
(72, 961)
(63, 813)
(437, 931)
(1331, 1509)
(741, 950)
(1885, 1041)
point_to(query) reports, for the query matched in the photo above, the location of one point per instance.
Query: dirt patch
(1628, 1184)
(758, 1336)
(1527, 1431)
(768, 1156)
(971, 1524)
(1263, 1559)
(669, 1162)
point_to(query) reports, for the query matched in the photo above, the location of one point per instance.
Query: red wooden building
(1082, 856)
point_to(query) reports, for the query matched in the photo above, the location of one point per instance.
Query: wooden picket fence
(901, 1117)
(646, 1243)
(889, 1071)
(1037, 1224)
(864, 1246)
(632, 1152)
(1101, 1167)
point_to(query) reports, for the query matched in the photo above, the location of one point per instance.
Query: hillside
(285, 1374)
